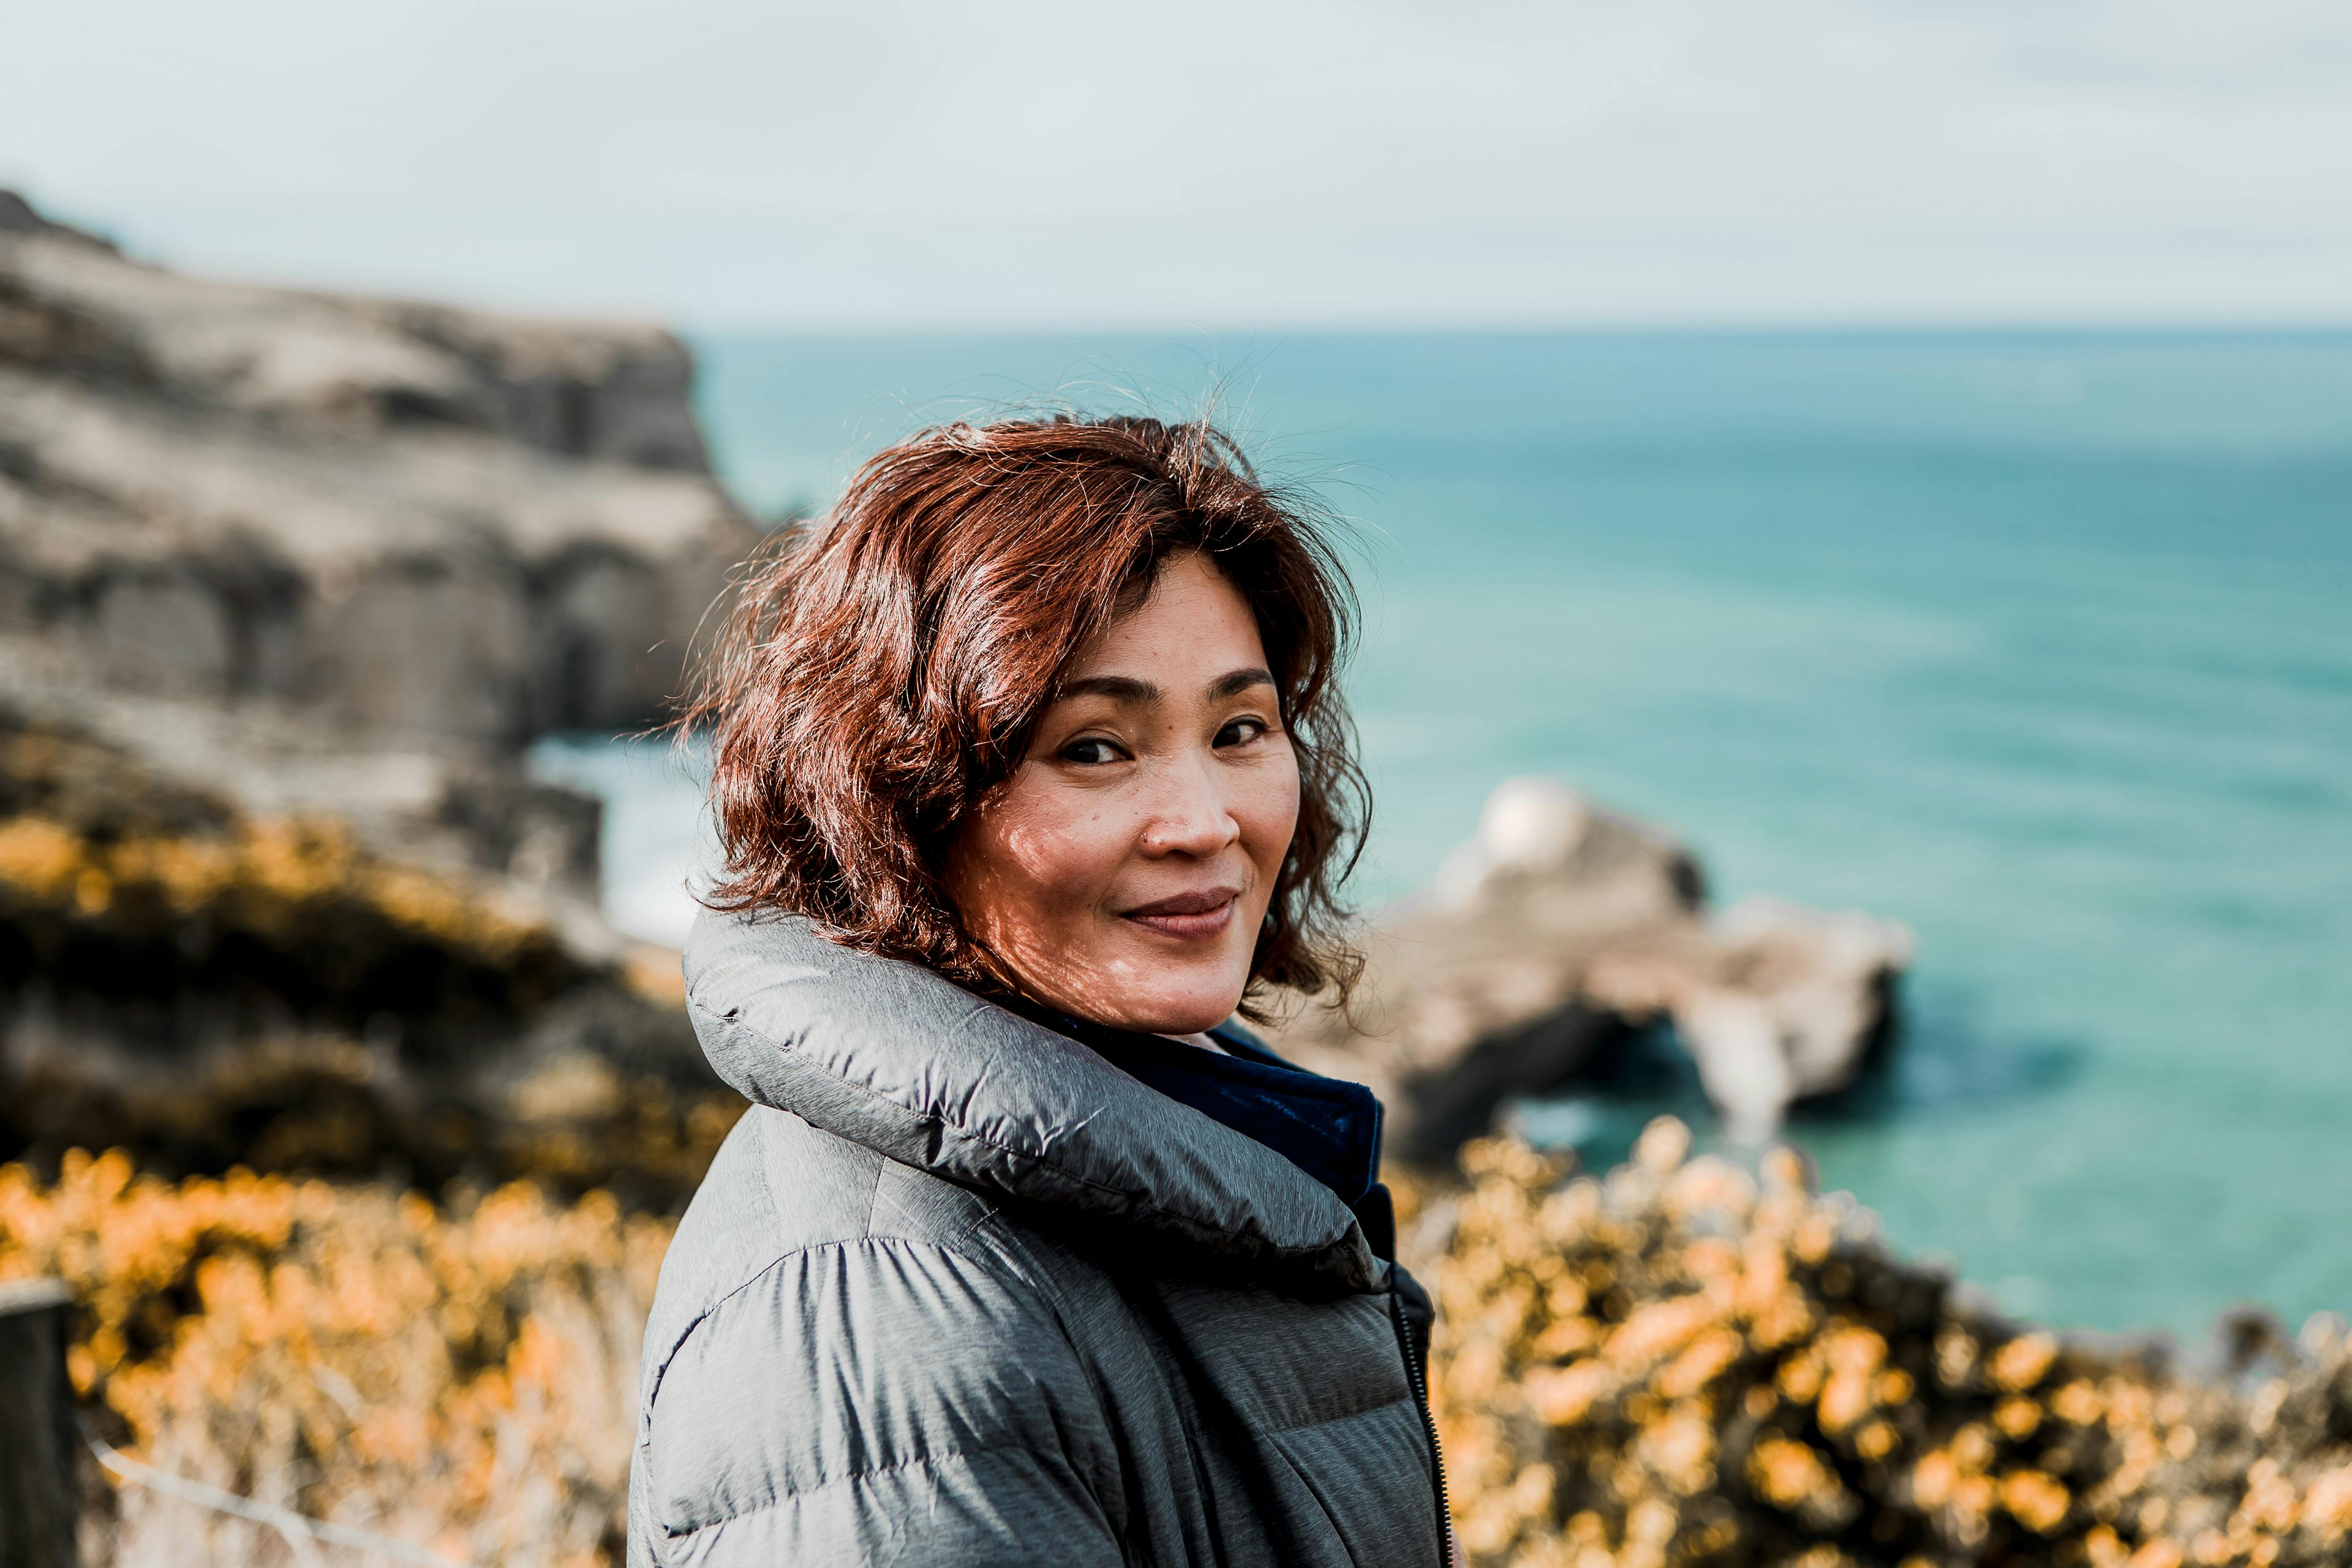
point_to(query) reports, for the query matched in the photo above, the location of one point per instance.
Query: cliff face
(404, 518)
(284, 578)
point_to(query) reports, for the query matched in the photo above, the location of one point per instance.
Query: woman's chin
(1170, 1009)
(1129, 980)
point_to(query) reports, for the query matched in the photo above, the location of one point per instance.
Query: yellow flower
(2037, 1500)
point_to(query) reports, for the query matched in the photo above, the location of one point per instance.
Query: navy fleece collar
(1327, 1127)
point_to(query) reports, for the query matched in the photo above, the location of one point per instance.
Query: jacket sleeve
(877, 1401)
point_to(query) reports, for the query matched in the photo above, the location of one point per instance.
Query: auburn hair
(882, 668)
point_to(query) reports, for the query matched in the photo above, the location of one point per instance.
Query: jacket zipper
(1419, 1387)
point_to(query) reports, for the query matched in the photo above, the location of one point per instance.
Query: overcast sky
(1265, 163)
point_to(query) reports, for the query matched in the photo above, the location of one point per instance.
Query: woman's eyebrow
(1235, 682)
(1117, 687)
(1134, 689)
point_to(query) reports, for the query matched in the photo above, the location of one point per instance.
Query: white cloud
(1229, 162)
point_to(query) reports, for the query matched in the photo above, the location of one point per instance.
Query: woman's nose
(1189, 814)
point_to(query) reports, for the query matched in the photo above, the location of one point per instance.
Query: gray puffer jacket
(958, 1291)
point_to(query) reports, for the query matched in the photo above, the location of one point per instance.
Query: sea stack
(1557, 930)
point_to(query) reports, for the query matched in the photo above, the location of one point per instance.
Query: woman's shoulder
(780, 1187)
(790, 1214)
(825, 1311)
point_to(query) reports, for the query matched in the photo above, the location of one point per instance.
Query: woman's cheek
(1070, 845)
(1271, 808)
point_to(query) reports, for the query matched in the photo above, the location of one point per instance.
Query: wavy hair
(881, 667)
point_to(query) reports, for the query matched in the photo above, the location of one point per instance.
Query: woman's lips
(1189, 916)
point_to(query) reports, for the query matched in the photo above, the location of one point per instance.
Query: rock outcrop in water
(1559, 930)
(405, 518)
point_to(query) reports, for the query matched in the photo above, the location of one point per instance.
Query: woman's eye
(1241, 732)
(1090, 752)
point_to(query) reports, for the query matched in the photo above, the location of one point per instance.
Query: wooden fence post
(40, 1447)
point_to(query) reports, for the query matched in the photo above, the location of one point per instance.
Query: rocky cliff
(404, 518)
(285, 579)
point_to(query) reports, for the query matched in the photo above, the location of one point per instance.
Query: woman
(1029, 773)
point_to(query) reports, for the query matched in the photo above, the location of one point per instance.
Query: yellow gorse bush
(270, 991)
(464, 1380)
(1676, 1365)
(272, 876)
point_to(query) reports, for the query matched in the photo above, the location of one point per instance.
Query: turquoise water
(2040, 643)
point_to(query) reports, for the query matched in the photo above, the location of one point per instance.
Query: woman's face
(1122, 873)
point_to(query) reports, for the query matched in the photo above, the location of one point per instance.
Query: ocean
(2039, 641)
